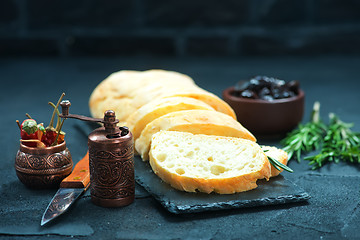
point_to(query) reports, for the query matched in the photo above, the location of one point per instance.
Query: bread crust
(229, 185)
(222, 186)
(277, 154)
(159, 107)
(200, 94)
(193, 121)
(126, 91)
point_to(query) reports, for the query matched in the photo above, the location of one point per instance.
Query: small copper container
(111, 160)
(43, 167)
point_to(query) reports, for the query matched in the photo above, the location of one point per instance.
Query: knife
(70, 189)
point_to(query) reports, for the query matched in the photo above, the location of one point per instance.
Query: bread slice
(193, 121)
(277, 154)
(127, 91)
(207, 163)
(198, 93)
(159, 107)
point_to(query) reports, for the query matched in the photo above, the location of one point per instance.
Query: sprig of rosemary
(336, 140)
(306, 137)
(277, 165)
(340, 143)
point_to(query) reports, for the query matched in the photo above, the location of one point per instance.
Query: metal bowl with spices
(43, 167)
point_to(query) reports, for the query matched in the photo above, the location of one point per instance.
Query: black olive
(262, 78)
(254, 85)
(276, 83)
(241, 86)
(267, 88)
(267, 98)
(287, 94)
(293, 86)
(264, 91)
(276, 93)
(268, 80)
(264, 81)
(248, 94)
(258, 77)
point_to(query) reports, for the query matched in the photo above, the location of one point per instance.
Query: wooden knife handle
(80, 176)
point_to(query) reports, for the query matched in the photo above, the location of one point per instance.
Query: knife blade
(70, 189)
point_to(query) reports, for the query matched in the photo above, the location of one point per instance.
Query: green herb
(306, 137)
(336, 140)
(340, 144)
(278, 164)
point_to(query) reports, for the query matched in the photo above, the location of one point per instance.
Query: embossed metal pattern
(111, 160)
(45, 170)
(43, 164)
(112, 171)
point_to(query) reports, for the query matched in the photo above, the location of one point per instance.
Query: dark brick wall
(179, 28)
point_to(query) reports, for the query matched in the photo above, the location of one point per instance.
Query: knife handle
(80, 176)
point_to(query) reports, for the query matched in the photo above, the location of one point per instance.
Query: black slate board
(276, 191)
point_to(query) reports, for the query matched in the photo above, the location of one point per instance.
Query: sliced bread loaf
(159, 107)
(207, 163)
(193, 121)
(127, 91)
(198, 93)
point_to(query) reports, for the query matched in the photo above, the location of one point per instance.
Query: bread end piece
(277, 154)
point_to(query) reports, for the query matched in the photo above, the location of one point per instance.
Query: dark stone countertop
(332, 212)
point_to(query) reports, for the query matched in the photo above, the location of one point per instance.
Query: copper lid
(101, 135)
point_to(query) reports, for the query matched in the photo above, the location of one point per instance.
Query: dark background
(49, 47)
(179, 28)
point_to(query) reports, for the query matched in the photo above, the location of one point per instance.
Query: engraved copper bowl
(43, 167)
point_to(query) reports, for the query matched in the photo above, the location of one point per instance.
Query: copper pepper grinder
(111, 160)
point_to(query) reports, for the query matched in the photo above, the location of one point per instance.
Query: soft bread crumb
(207, 163)
(193, 121)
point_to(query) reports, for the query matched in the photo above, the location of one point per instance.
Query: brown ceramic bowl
(43, 167)
(267, 118)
